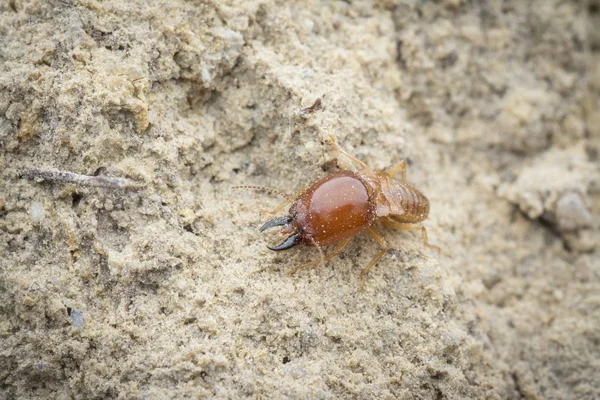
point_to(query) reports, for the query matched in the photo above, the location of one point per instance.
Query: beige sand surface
(167, 290)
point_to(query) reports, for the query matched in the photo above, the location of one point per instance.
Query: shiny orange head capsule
(337, 207)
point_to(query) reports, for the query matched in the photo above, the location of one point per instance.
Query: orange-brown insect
(337, 207)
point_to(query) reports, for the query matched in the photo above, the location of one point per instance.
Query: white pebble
(77, 319)
(571, 212)
(37, 212)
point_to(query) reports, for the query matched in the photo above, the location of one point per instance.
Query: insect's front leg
(401, 166)
(337, 148)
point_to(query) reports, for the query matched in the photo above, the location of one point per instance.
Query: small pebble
(77, 319)
(571, 213)
(37, 212)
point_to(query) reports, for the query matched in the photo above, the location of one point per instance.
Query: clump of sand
(162, 288)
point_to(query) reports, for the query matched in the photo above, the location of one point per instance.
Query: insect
(336, 208)
(317, 105)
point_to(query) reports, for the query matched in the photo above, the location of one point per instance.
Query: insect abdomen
(413, 204)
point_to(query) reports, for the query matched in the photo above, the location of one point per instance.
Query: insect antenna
(266, 189)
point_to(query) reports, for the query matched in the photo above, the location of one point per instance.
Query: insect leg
(338, 249)
(314, 242)
(384, 248)
(280, 207)
(277, 209)
(288, 200)
(401, 166)
(339, 149)
(409, 227)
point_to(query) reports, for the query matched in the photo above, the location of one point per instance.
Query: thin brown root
(79, 179)
(266, 189)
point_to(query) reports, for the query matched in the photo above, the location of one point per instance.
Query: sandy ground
(167, 290)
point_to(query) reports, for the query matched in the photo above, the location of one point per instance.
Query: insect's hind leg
(410, 227)
(338, 249)
(337, 148)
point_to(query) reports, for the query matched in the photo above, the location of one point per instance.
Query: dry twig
(78, 179)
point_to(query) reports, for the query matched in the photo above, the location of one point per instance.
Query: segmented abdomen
(408, 204)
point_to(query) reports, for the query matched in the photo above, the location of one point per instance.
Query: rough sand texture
(167, 290)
